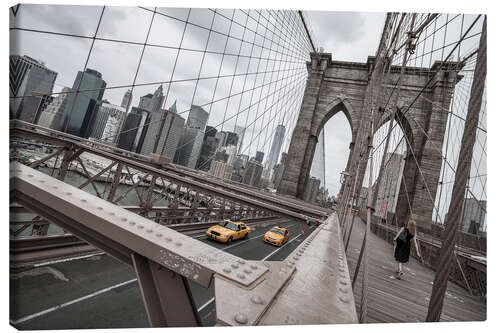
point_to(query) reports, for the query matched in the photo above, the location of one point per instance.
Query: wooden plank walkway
(391, 300)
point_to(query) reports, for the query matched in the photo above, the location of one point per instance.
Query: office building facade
(51, 116)
(32, 80)
(126, 100)
(134, 130)
(189, 147)
(279, 136)
(80, 107)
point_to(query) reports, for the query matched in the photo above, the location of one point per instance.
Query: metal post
(116, 181)
(459, 187)
(166, 295)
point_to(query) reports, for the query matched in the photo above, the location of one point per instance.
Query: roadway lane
(101, 292)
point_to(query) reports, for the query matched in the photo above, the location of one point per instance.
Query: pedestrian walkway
(391, 300)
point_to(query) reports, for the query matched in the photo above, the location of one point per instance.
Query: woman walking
(403, 241)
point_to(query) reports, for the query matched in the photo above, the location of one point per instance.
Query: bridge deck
(391, 300)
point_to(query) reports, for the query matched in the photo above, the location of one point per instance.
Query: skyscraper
(207, 153)
(253, 173)
(145, 101)
(240, 132)
(29, 77)
(259, 156)
(156, 121)
(209, 132)
(107, 119)
(171, 133)
(126, 100)
(390, 183)
(78, 113)
(279, 136)
(133, 130)
(51, 116)
(189, 147)
(318, 162)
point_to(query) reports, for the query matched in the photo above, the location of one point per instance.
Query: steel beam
(120, 232)
(137, 161)
(166, 295)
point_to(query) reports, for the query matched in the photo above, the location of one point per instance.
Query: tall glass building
(29, 77)
(278, 139)
(80, 108)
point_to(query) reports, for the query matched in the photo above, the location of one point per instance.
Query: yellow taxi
(228, 231)
(276, 236)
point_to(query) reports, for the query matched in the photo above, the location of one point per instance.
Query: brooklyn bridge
(110, 204)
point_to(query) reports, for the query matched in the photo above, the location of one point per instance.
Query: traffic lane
(42, 287)
(256, 230)
(111, 315)
(286, 250)
(119, 308)
(257, 249)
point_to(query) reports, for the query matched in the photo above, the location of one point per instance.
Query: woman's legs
(400, 267)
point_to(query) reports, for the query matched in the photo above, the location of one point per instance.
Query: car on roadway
(228, 231)
(277, 236)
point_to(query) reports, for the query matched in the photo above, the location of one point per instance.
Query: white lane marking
(281, 247)
(213, 298)
(206, 304)
(63, 305)
(67, 259)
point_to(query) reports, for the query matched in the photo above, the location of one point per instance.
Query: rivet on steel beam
(30, 175)
(241, 262)
(131, 223)
(343, 299)
(241, 276)
(254, 267)
(54, 187)
(42, 181)
(226, 270)
(69, 193)
(168, 239)
(247, 271)
(178, 244)
(83, 200)
(149, 230)
(344, 282)
(159, 235)
(343, 290)
(299, 254)
(124, 219)
(289, 265)
(295, 258)
(257, 299)
(140, 226)
(111, 213)
(240, 318)
(235, 266)
(100, 208)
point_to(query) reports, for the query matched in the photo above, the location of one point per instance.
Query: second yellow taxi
(227, 231)
(276, 236)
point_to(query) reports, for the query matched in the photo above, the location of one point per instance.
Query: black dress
(402, 252)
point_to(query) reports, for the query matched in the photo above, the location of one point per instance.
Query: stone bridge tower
(338, 86)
